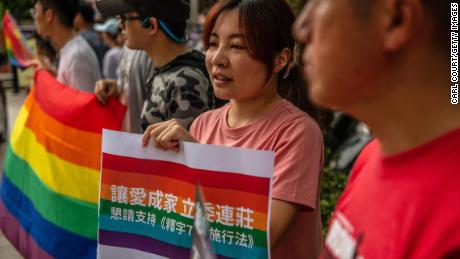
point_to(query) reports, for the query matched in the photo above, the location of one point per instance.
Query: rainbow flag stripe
(49, 190)
(19, 53)
(237, 196)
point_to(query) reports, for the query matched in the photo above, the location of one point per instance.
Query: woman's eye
(212, 44)
(236, 46)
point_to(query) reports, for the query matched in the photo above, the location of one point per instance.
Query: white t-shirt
(78, 65)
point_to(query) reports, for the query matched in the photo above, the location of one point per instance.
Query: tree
(296, 5)
(18, 8)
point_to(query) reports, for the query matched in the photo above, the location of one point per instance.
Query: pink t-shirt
(297, 142)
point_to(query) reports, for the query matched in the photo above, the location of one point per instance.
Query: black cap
(167, 10)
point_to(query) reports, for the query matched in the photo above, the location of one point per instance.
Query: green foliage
(296, 5)
(18, 8)
(332, 185)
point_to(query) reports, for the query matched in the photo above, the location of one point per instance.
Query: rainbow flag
(147, 199)
(19, 53)
(50, 185)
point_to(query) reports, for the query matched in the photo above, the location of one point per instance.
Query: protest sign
(147, 199)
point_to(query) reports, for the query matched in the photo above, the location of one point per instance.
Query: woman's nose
(220, 57)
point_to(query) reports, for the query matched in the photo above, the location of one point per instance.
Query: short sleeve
(195, 128)
(298, 163)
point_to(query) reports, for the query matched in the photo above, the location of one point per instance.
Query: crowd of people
(384, 62)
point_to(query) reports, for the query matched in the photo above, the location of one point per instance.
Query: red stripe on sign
(207, 178)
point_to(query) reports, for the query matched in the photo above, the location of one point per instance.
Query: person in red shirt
(386, 62)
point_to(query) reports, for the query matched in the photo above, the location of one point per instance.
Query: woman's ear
(282, 60)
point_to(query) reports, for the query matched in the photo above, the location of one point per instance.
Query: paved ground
(14, 103)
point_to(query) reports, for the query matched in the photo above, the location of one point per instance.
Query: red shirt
(400, 206)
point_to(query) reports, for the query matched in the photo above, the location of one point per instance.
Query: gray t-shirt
(135, 69)
(78, 65)
(111, 63)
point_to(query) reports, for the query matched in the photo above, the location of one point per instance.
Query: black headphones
(146, 23)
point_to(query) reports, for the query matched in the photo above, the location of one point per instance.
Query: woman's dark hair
(266, 25)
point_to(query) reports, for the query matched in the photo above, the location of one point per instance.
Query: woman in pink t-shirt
(250, 59)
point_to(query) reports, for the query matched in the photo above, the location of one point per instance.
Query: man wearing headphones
(180, 88)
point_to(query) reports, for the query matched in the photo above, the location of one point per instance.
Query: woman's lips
(221, 79)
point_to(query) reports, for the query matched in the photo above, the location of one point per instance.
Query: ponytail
(294, 89)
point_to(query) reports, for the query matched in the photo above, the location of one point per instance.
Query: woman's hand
(166, 135)
(104, 89)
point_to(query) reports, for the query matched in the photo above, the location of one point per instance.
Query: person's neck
(416, 107)
(61, 36)
(165, 51)
(245, 112)
(84, 27)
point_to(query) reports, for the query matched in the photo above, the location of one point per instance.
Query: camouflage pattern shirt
(180, 90)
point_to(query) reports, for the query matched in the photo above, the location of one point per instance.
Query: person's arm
(298, 160)
(106, 66)
(282, 215)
